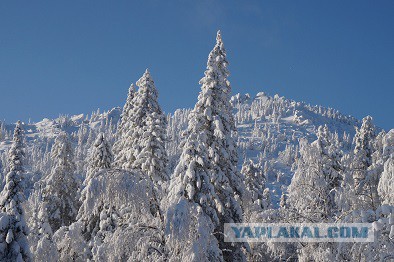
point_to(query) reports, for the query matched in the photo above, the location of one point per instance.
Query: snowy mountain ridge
(261, 109)
(269, 127)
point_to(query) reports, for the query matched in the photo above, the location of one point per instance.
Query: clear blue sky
(69, 57)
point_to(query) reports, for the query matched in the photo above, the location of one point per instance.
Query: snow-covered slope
(269, 129)
(48, 129)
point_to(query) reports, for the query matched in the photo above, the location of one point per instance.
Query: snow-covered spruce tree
(100, 156)
(388, 144)
(61, 185)
(142, 132)
(40, 237)
(150, 131)
(309, 191)
(365, 210)
(13, 228)
(274, 251)
(206, 183)
(331, 157)
(386, 182)
(365, 182)
(123, 131)
(16, 154)
(364, 141)
(100, 159)
(256, 198)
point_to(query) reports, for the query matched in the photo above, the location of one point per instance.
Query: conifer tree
(309, 191)
(62, 185)
(13, 228)
(364, 142)
(386, 182)
(150, 131)
(330, 156)
(365, 182)
(141, 133)
(206, 177)
(16, 153)
(100, 156)
(123, 131)
(255, 198)
(42, 246)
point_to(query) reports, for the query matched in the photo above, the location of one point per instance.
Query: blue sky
(69, 57)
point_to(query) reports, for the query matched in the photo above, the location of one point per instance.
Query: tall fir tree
(62, 185)
(206, 175)
(100, 159)
(16, 153)
(363, 142)
(256, 196)
(143, 132)
(312, 190)
(309, 191)
(13, 228)
(150, 134)
(365, 182)
(123, 130)
(386, 182)
(101, 156)
(40, 239)
(330, 156)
